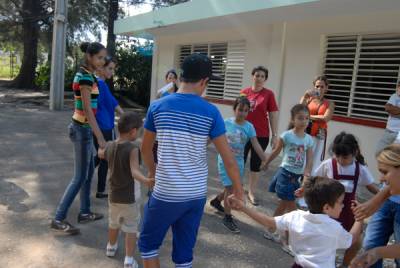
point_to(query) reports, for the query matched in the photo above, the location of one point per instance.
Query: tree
(30, 23)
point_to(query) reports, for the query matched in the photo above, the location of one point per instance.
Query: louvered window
(228, 63)
(363, 71)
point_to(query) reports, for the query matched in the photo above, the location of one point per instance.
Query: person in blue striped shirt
(183, 123)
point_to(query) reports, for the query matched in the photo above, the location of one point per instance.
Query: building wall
(292, 51)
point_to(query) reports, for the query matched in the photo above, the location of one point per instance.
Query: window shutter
(228, 63)
(363, 71)
(234, 69)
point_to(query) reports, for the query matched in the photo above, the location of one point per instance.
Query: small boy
(123, 161)
(314, 236)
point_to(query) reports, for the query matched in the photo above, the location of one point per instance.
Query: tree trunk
(30, 28)
(112, 16)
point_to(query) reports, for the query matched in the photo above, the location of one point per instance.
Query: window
(363, 71)
(228, 63)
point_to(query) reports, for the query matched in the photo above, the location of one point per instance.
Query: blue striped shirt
(183, 123)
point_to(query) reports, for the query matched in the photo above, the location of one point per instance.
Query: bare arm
(87, 109)
(364, 210)
(135, 169)
(275, 152)
(257, 147)
(261, 218)
(222, 146)
(309, 162)
(356, 231)
(372, 188)
(273, 121)
(147, 151)
(392, 110)
(371, 256)
(327, 116)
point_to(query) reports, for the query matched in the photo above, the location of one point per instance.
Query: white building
(356, 43)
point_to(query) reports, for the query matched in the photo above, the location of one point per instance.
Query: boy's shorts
(124, 216)
(183, 217)
(284, 184)
(225, 180)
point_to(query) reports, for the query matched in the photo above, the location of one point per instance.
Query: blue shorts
(284, 184)
(225, 180)
(183, 217)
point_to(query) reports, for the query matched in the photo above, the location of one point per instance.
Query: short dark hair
(321, 78)
(260, 69)
(242, 100)
(129, 121)
(319, 191)
(172, 71)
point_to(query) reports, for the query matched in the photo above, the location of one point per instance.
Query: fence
(9, 65)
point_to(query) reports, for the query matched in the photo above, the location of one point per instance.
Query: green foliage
(133, 74)
(43, 72)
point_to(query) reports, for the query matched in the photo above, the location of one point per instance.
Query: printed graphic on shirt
(296, 155)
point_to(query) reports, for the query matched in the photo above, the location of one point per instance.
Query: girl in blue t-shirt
(296, 162)
(238, 133)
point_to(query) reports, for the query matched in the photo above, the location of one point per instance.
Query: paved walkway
(36, 164)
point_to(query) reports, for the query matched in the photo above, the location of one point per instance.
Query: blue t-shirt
(166, 93)
(183, 123)
(294, 151)
(395, 198)
(237, 136)
(106, 104)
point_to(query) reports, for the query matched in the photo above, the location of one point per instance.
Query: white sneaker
(272, 236)
(130, 263)
(288, 250)
(111, 249)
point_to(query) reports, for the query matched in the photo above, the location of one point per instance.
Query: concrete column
(58, 55)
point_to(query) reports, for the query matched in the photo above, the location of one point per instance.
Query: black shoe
(82, 218)
(215, 203)
(63, 227)
(230, 224)
(101, 195)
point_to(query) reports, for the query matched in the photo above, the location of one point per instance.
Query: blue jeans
(82, 139)
(384, 223)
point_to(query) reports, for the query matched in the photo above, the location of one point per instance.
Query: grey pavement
(36, 164)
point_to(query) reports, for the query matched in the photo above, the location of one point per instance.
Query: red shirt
(261, 103)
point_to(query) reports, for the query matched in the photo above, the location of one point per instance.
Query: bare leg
(112, 236)
(281, 209)
(151, 263)
(227, 192)
(130, 244)
(221, 196)
(253, 181)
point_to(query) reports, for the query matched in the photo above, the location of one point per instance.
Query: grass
(5, 68)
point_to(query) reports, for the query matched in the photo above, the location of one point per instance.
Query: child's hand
(365, 259)
(150, 182)
(299, 192)
(235, 203)
(264, 165)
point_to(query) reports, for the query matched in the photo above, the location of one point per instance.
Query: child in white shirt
(314, 236)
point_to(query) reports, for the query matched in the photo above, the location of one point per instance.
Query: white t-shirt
(393, 123)
(326, 170)
(314, 238)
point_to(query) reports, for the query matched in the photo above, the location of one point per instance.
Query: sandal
(252, 200)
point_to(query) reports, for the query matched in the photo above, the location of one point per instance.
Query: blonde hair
(390, 155)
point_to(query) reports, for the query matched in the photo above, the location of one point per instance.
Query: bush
(42, 79)
(133, 74)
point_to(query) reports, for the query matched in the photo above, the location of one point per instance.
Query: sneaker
(63, 227)
(230, 224)
(83, 218)
(274, 236)
(252, 200)
(215, 203)
(101, 195)
(130, 263)
(111, 249)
